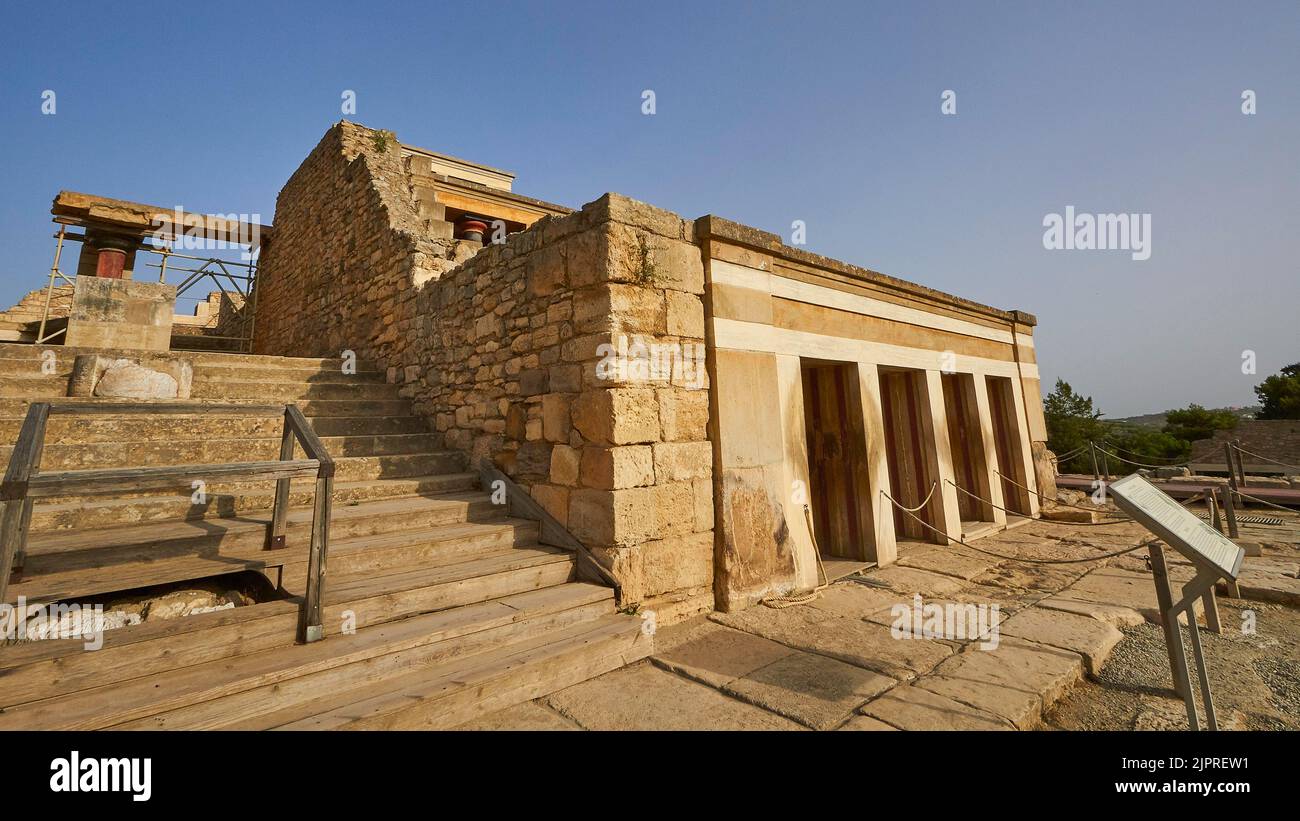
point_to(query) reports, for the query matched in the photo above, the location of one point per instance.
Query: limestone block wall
(544, 354)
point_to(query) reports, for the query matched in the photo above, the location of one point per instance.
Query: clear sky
(766, 113)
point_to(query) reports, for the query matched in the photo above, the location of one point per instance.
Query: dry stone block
(683, 414)
(618, 467)
(623, 416)
(681, 461)
(564, 465)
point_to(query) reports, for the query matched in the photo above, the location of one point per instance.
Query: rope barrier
(1042, 498)
(782, 602)
(963, 543)
(1262, 502)
(1240, 449)
(1114, 446)
(1024, 516)
(1140, 464)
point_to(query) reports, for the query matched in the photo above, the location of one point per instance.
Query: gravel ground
(1254, 677)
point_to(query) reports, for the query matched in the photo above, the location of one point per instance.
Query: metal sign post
(1214, 556)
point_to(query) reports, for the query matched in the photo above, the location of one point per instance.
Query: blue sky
(766, 113)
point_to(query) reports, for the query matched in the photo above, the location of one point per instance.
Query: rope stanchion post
(1230, 511)
(1241, 465)
(1092, 447)
(1212, 495)
(1232, 469)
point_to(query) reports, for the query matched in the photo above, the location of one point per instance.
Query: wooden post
(280, 510)
(1092, 448)
(24, 463)
(1230, 509)
(1241, 467)
(313, 627)
(1212, 498)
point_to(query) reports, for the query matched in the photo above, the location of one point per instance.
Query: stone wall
(514, 351)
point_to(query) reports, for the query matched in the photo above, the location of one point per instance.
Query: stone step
(225, 690)
(432, 692)
(217, 451)
(70, 563)
(29, 352)
(89, 430)
(451, 694)
(229, 499)
(17, 408)
(267, 391)
(257, 373)
(368, 598)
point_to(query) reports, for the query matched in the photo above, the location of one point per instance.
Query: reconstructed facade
(699, 404)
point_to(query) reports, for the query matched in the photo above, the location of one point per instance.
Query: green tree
(1072, 422)
(1279, 395)
(1195, 422)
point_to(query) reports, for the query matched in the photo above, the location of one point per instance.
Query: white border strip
(729, 273)
(755, 336)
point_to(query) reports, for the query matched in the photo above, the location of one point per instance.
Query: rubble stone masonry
(571, 355)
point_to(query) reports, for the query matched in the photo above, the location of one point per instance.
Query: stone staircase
(458, 609)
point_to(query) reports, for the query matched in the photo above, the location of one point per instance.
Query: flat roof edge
(711, 225)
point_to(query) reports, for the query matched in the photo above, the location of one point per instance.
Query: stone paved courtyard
(832, 664)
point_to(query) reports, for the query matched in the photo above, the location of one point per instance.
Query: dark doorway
(839, 491)
(1006, 439)
(912, 474)
(966, 441)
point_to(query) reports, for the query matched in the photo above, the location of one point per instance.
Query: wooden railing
(24, 483)
(549, 530)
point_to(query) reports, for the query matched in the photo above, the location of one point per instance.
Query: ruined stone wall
(347, 248)
(502, 350)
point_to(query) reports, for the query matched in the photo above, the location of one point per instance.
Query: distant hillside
(1157, 420)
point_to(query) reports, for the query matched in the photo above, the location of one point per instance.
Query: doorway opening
(1006, 440)
(910, 450)
(839, 489)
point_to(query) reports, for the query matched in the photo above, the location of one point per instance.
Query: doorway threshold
(837, 569)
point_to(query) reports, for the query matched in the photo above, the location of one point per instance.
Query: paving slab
(527, 716)
(643, 697)
(866, 723)
(1017, 681)
(1090, 638)
(816, 691)
(910, 580)
(1125, 588)
(1113, 614)
(1268, 588)
(957, 562)
(849, 640)
(912, 708)
(859, 601)
(714, 654)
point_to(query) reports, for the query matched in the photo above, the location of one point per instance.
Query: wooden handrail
(23, 483)
(550, 531)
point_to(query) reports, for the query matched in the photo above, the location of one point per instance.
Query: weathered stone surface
(912, 708)
(683, 414)
(564, 465)
(681, 461)
(714, 654)
(1112, 614)
(1017, 681)
(849, 640)
(611, 468)
(622, 416)
(865, 723)
(685, 315)
(947, 561)
(527, 716)
(911, 580)
(131, 381)
(643, 697)
(1090, 638)
(818, 692)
